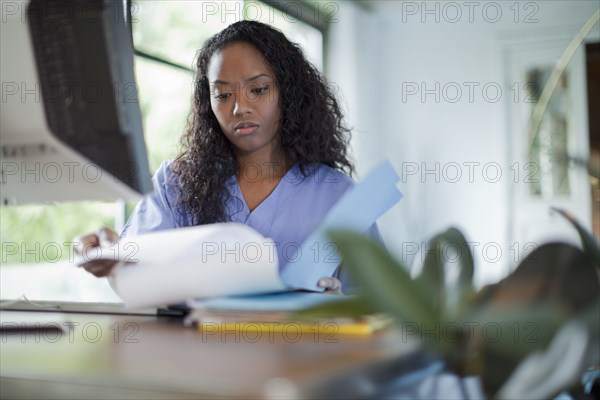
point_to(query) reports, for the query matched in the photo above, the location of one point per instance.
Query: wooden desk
(121, 356)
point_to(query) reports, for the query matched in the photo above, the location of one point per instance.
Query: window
(168, 34)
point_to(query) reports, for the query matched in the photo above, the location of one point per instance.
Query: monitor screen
(71, 122)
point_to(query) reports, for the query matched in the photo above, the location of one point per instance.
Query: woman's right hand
(103, 237)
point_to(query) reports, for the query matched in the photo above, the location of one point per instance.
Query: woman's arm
(153, 213)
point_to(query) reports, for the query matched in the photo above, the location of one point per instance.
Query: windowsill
(59, 281)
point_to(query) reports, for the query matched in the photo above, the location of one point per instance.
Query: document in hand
(170, 267)
(196, 262)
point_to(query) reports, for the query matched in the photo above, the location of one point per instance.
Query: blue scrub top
(292, 211)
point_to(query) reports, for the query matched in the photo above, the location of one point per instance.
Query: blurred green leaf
(459, 291)
(591, 317)
(517, 331)
(590, 244)
(467, 266)
(448, 295)
(503, 337)
(381, 280)
(432, 276)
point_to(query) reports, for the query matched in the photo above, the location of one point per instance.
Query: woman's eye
(222, 96)
(260, 90)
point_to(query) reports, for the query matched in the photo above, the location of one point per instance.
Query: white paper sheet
(357, 210)
(172, 266)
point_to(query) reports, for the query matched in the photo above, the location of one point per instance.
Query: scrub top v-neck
(262, 216)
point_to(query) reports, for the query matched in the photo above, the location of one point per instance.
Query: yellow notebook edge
(343, 326)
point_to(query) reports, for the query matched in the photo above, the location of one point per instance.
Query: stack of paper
(274, 313)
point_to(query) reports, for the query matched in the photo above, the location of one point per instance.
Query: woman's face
(245, 98)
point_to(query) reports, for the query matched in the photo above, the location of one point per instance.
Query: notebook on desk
(276, 313)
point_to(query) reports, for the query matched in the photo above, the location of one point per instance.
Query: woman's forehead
(236, 63)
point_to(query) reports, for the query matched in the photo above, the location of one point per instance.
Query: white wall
(377, 55)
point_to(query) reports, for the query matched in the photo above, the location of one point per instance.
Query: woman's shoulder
(165, 168)
(319, 180)
(164, 173)
(165, 179)
(324, 174)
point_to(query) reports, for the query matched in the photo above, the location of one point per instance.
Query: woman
(266, 147)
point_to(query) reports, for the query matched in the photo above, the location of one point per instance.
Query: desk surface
(123, 356)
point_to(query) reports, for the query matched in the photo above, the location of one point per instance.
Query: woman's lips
(245, 128)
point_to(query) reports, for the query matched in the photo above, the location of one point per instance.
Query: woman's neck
(259, 175)
(262, 167)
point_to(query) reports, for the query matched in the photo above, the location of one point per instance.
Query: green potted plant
(553, 286)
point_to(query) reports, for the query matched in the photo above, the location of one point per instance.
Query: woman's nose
(242, 105)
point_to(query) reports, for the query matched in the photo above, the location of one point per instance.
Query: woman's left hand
(332, 285)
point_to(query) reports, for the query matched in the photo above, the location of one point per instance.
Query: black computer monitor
(71, 121)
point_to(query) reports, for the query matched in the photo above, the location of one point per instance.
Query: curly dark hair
(311, 128)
